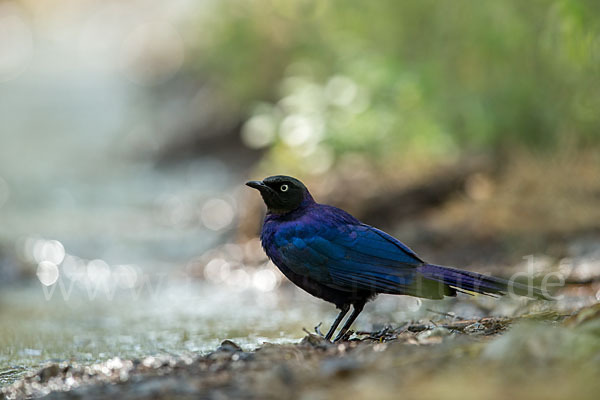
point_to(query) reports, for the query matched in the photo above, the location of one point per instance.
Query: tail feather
(478, 283)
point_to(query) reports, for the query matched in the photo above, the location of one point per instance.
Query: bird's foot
(343, 336)
(318, 330)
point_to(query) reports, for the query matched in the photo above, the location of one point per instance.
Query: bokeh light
(98, 271)
(48, 250)
(217, 270)
(126, 276)
(47, 273)
(217, 214)
(259, 131)
(238, 279)
(73, 267)
(298, 129)
(341, 90)
(264, 280)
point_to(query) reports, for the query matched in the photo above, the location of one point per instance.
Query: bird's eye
(284, 188)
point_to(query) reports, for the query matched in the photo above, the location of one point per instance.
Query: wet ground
(175, 319)
(537, 355)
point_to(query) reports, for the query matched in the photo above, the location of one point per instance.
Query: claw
(342, 337)
(318, 331)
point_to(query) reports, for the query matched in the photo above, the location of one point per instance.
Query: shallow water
(171, 315)
(81, 199)
(180, 317)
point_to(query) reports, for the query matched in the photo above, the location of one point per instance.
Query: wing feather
(349, 256)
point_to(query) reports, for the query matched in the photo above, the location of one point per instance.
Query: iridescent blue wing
(348, 256)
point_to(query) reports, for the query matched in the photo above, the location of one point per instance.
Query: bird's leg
(357, 310)
(343, 311)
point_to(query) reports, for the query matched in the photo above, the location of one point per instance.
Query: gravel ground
(541, 355)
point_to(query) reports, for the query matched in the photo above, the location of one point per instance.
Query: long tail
(478, 283)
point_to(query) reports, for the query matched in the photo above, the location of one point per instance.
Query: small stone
(433, 336)
(228, 345)
(49, 372)
(438, 331)
(476, 328)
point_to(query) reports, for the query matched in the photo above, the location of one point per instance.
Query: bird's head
(281, 193)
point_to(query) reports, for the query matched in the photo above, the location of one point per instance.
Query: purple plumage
(333, 256)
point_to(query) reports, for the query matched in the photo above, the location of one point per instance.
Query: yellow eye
(284, 188)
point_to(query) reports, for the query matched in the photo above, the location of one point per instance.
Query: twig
(453, 316)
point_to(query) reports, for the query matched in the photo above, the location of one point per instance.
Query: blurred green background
(469, 129)
(406, 80)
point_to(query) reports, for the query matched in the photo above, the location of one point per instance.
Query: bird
(333, 256)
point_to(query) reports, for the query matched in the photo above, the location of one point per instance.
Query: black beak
(259, 185)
